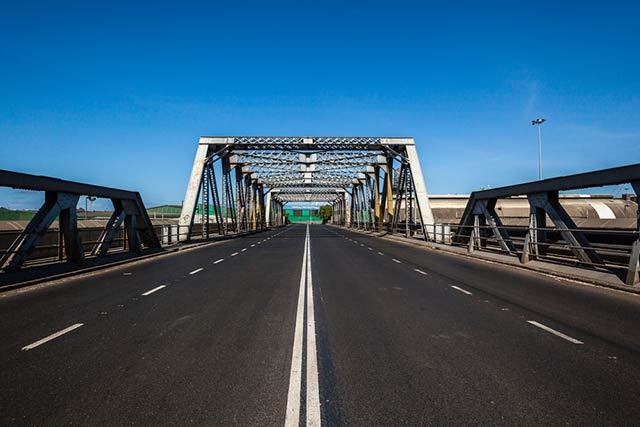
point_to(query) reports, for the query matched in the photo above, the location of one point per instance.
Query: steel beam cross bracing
(349, 173)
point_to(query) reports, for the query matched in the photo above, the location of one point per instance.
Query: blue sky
(117, 94)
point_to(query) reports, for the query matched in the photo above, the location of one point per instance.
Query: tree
(325, 212)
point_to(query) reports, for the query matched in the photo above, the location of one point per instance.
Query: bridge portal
(242, 183)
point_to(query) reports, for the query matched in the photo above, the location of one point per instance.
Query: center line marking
(154, 290)
(397, 261)
(554, 332)
(295, 379)
(461, 290)
(420, 271)
(52, 336)
(234, 254)
(197, 271)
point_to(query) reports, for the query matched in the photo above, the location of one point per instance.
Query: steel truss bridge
(243, 182)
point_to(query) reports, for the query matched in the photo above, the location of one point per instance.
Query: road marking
(370, 249)
(295, 379)
(126, 274)
(295, 376)
(397, 261)
(420, 271)
(244, 249)
(259, 242)
(461, 290)
(154, 290)
(197, 271)
(554, 332)
(362, 244)
(313, 389)
(253, 246)
(219, 261)
(380, 253)
(234, 254)
(52, 336)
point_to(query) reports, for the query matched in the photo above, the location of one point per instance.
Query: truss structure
(242, 183)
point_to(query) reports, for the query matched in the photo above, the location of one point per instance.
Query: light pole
(533, 123)
(86, 199)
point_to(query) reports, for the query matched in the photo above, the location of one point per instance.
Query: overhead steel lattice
(243, 182)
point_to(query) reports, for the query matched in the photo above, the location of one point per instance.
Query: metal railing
(50, 248)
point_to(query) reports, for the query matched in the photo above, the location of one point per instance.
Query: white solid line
(197, 271)
(420, 271)
(295, 377)
(218, 261)
(244, 249)
(397, 261)
(313, 389)
(154, 290)
(554, 332)
(52, 336)
(234, 254)
(461, 290)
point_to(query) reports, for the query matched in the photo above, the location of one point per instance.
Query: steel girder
(310, 169)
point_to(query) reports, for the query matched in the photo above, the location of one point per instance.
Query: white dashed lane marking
(554, 332)
(461, 290)
(51, 337)
(154, 290)
(197, 271)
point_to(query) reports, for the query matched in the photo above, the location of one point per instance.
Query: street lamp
(86, 199)
(533, 123)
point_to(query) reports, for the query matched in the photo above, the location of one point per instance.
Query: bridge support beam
(56, 204)
(193, 189)
(578, 243)
(633, 272)
(424, 208)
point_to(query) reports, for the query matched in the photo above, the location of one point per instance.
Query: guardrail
(49, 249)
(61, 200)
(481, 227)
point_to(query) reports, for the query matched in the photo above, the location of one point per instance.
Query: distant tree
(325, 212)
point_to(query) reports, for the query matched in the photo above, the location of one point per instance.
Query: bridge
(384, 315)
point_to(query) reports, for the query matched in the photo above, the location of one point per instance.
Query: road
(318, 325)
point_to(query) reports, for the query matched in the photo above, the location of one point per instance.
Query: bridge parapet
(481, 221)
(61, 200)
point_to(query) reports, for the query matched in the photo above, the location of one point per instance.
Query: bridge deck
(403, 336)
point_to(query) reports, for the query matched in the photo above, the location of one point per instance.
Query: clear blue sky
(117, 93)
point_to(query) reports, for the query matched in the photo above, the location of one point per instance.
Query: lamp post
(86, 199)
(533, 123)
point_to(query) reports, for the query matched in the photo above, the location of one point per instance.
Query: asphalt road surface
(318, 325)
